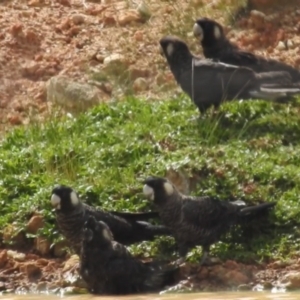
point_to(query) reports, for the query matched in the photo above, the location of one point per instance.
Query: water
(201, 296)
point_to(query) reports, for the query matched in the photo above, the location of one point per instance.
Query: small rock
(3, 258)
(129, 16)
(258, 14)
(114, 59)
(71, 94)
(36, 3)
(281, 46)
(144, 10)
(140, 84)
(258, 19)
(109, 19)
(138, 35)
(180, 178)
(60, 249)
(42, 245)
(78, 19)
(100, 58)
(16, 255)
(73, 31)
(71, 263)
(290, 44)
(34, 224)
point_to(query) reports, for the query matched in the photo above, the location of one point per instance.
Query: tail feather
(281, 77)
(139, 216)
(273, 94)
(286, 90)
(150, 231)
(256, 209)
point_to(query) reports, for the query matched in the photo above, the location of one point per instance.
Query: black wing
(125, 272)
(128, 231)
(207, 212)
(139, 216)
(215, 82)
(242, 58)
(257, 63)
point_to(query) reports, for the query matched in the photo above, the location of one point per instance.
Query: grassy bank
(248, 150)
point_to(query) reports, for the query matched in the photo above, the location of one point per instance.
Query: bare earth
(40, 39)
(31, 273)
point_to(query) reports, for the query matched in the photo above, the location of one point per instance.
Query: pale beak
(198, 31)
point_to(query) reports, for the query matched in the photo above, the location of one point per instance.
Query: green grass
(106, 153)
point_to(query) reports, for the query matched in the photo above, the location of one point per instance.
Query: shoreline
(30, 273)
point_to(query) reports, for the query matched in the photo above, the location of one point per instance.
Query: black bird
(196, 220)
(209, 83)
(216, 46)
(128, 228)
(109, 268)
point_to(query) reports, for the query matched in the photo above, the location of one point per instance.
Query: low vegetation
(247, 150)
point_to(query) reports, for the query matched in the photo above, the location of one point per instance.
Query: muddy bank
(30, 273)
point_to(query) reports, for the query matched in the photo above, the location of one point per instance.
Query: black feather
(126, 227)
(209, 83)
(221, 49)
(197, 220)
(109, 268)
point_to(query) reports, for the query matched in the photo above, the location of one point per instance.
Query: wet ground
(208, 296)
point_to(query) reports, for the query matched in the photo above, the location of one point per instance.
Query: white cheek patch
(106, 234)
(168, 188)
(217, 32)
(55, 201)
(170, 49)
(74, 198)
(198, 32)
(148, 192)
